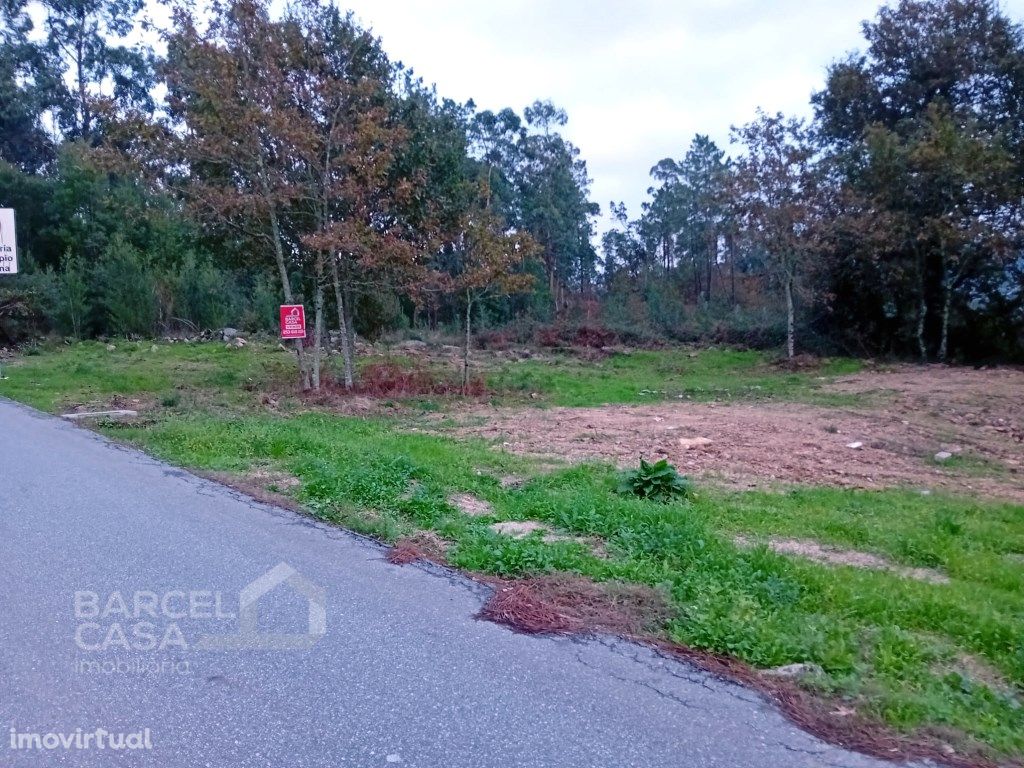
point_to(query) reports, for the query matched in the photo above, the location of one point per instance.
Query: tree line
(249, 159)
(889, 223)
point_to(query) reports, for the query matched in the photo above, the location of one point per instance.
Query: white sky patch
(638, 78)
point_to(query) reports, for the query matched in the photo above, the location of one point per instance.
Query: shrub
(576, 336)
(377, 314)
(659, 482)
(69, 304)
(266, 300)
(388, 379)
(204, 295)
(126, 287)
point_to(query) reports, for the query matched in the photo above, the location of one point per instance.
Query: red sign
(293, 321)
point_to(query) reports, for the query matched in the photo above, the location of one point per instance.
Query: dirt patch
(562, 603)
(916, 412)
(273, 479)
(520, 529)
(979, 671)
(829, 555)
(468, 504)
(255, 490)
(422, 545)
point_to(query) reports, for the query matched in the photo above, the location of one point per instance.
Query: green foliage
(658, 482)
(203, 295)
(262, 313)
(378, 313)
(70, 304)
(126, 288)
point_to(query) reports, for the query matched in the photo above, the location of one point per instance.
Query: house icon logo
(250, 637)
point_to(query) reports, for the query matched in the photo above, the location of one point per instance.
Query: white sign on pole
(8, 243)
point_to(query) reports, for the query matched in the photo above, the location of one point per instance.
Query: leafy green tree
(71, 302)
(777, 195)
(687, 217)
(925, 133)
(126, 288)
(25, 91)
(86, 48)
(553, 187)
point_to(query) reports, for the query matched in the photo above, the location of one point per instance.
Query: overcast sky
(638, 78)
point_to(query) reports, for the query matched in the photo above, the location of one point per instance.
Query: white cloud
(638, 78)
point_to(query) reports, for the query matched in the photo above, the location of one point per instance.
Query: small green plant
(659, 482)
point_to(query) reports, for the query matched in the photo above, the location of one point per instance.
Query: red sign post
(293, 321)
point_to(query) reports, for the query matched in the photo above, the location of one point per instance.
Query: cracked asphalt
(114, 565)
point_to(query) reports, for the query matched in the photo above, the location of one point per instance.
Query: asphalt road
(114, 566)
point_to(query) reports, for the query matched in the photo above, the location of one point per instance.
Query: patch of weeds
(658, 482)
(675, 374)
(971, 465)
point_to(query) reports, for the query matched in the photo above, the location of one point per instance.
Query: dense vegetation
(246, 159)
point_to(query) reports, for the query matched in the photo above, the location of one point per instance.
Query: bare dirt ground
(913, 413)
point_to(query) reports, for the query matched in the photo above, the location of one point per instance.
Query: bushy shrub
(659, 482)
(576, 336)
(377, 314)
(68, 302)
(21, 313)
(205, 296)
(125, 285)
(262, 311)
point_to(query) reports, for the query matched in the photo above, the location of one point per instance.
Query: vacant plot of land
(890, 440)
(901, 607)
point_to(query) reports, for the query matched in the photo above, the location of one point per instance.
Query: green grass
(644, 377)
(54, 378)
(889, 643)
(893, 646)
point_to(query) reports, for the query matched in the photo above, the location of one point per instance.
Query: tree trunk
(712, 259)
(465, 345)
(350, 324)
(790, 319)
(922, 314)
(731, 247)
(318, 321)
(343, 326)
(947, 300)
(80, 66)
(286, 288)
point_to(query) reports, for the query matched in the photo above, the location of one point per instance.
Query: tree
(777, 197)
(687, 215)
(227, 92)
(488, 261)
(24, 91)
(342, 129)
(925, 132)
(553, 187)
(85, 46)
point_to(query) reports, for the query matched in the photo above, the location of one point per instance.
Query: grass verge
(943, 657)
